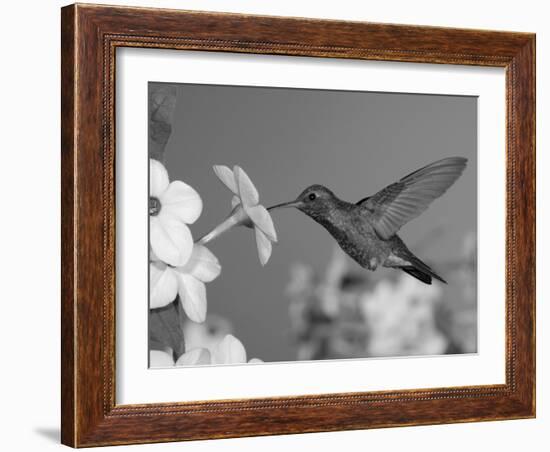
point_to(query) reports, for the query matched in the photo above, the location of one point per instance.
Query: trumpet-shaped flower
(246, 211)
(172, 206)
(187, 281)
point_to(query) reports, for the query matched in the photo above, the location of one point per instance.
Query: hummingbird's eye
(312, 196)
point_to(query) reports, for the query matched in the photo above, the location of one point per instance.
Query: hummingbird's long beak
(296, 203)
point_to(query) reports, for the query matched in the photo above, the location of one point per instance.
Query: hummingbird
(367, 230)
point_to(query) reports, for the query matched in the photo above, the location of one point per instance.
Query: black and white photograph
(236, 225)
(292, 224)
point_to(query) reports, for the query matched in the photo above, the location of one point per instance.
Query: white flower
(400, 318)
(193, 357)
(206, 334)
(172, 206)
(188, 281)
(230, 350)
(247, 211)
(163, 284)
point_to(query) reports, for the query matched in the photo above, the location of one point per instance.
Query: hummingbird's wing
(400, 202)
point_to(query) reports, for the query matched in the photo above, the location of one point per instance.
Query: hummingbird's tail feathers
(403, 258)
(420, 270)
(425, 278)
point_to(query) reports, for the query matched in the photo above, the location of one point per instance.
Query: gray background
(355, 143)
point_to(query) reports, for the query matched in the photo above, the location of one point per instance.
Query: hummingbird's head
(313, 201)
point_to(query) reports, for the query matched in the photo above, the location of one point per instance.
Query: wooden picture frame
(90, 36)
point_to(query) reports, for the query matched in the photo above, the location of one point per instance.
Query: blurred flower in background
(208, 333)
(230, 350)
(400, 318)
(347, 312)
(215, 336)
(457, 316)
(195, 357)
(205, 343)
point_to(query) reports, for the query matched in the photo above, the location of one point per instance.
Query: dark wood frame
(90, 36)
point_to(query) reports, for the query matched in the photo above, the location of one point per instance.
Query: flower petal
(202, 264)
(158, 358)
(235, 201)
(194, 357)
(171, 239)
(227, 177)
(261, 218)
(264, 246)
(229, 350)
(247, 191)
(158, 178)
(163, 285)
(192, 294)
(181, 201)
(152, 256)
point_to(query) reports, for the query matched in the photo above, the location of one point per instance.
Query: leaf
(165, 329)
(162, 104)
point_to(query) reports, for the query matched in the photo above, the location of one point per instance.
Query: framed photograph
(281, 225)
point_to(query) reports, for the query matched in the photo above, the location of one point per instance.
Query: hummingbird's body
(355, 236)
(366, 231)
